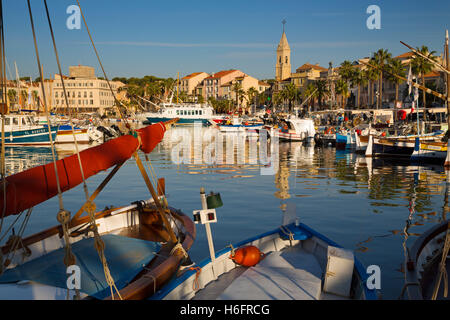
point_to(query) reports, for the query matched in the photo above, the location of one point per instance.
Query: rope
(67, 101)
(179, 246)
(63, 216)
(195, 283)
(442, 267)
(289, 234)
(103, 70)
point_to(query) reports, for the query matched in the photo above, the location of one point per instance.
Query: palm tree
(12, 94)
(321, 87)
(310, 91)
(237, 88)
(250, 95)
(359, 80)
(380, 59)
(342, 89)
(290, 94)
(421, 66)
(396, 67)
(346, 70)
(372, 76)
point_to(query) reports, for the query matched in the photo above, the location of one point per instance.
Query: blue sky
(147, 37)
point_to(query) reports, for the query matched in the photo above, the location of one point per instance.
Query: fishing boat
(66, 134)
(187, 113)
(290, 262)
(115, 253)
(20, 130)
(296, 129)
(429, 151)
(141, 245)
(237, 124)
(426, 265)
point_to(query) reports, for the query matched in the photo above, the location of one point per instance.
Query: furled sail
(33, 186)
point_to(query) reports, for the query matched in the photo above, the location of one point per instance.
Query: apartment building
(86, 92)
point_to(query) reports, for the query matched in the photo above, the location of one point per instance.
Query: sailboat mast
(447, 65)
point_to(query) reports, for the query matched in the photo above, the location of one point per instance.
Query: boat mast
(447, 65)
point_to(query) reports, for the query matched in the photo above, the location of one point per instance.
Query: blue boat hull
(151, 120)
(30, 137)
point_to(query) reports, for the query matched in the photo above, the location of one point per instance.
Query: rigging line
(103, 69)
(61, 205)
(3, 151)
(67, 102)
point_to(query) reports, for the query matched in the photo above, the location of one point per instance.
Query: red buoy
(247, 256)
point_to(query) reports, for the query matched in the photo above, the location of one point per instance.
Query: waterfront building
(190, 82)
(86, 92)
(211, 87)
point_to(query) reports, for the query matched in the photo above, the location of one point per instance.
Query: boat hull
(30, 137)
(152, 120)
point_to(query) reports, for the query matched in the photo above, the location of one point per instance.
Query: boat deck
(292, 274)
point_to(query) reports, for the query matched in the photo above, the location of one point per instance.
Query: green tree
(396, 67)
(421, 66)
(380, 59)
(342, 89)
(359, 79)
(322, 90)
(291, 94)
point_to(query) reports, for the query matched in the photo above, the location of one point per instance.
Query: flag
(409, 81)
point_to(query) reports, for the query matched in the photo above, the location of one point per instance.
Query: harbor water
(374, 207)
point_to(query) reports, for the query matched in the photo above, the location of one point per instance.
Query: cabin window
(178, 112)
(7, 122)
(196, 112)
(15, 121)
(200, 112)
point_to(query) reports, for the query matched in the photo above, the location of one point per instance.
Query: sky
(147, 37)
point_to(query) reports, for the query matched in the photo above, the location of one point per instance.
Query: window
(178, 112)
(15, 121)
(92, 101)
(85, 94)
(7, 122)
(56, 94)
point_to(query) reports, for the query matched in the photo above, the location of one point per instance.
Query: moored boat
(296, 129)
(291, 262)
(126, 252)
(66, 135)
(426, 265)
(187, 113)
(20, 130)
(429, 151)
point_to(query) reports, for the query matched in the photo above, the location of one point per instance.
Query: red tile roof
(308, 66)
(189, 76)
(220, 74)
(405, 55)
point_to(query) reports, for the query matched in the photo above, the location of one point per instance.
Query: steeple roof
(283, 45)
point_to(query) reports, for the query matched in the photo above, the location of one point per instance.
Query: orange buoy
(247, 256)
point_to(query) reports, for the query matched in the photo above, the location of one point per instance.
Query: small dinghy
(291, 262)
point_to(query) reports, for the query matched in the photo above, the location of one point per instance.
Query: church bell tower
(283, 64)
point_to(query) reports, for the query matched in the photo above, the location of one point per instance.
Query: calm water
(362, 205)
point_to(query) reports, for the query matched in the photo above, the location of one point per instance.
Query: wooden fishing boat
(296, 129)
(127, 252)
(429, 151)
(65, 135)
(290, 262)
(427, 265)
